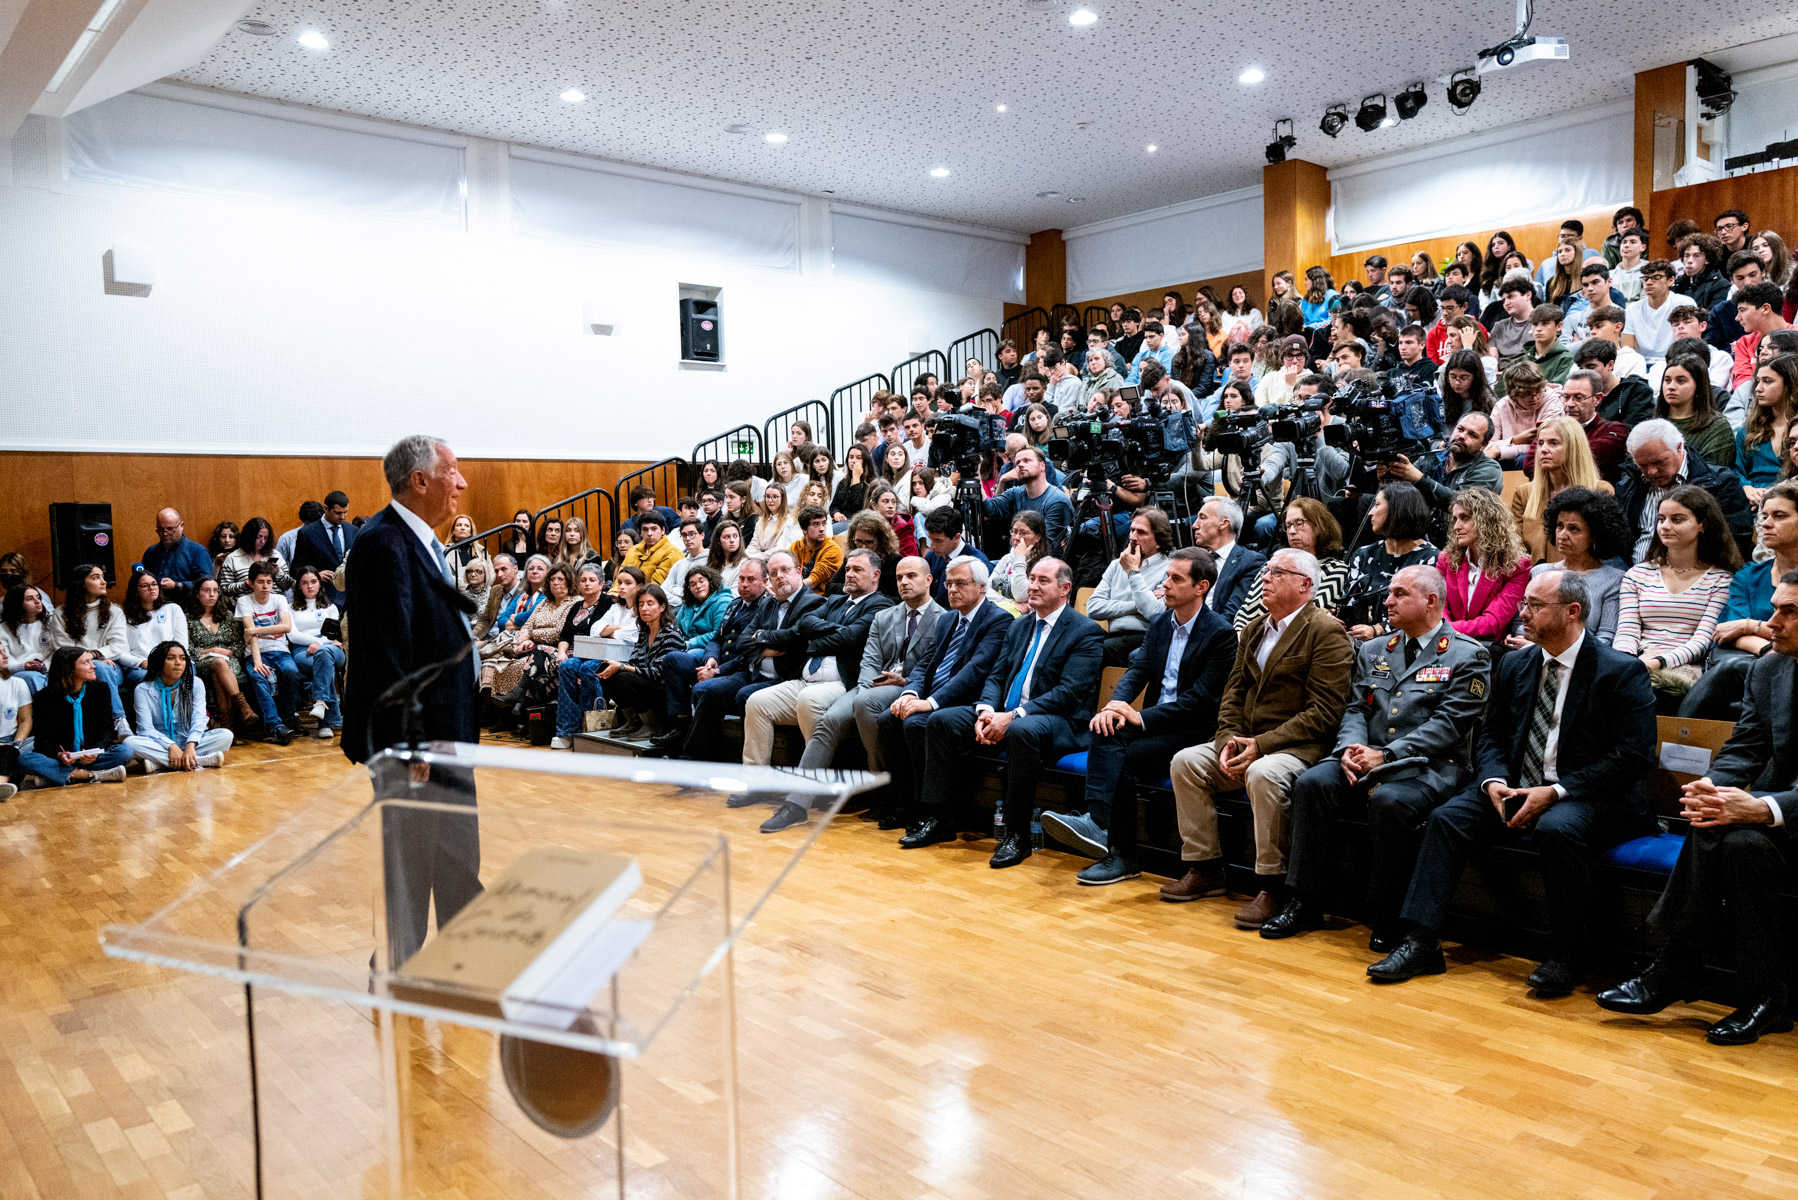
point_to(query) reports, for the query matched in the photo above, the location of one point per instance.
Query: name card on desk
(1685, 760)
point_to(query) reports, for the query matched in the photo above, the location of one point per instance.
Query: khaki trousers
(1198, 778)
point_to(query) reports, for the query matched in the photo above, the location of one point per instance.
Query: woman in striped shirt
(1669, 603)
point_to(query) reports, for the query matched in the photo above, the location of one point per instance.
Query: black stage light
(1410, 101)
(1335, 117)
(1463, 90)
(1372, 112)
(1283, 141)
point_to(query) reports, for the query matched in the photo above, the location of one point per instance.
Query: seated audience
(576, 549)
(267, 618)
(1728, 890)
(1606, 440)
(1216, 528)
(74, 736)
(1743, 630)
(1567, 736)
(15, 727)
(1126, 598)
(1033, 493)
(256, 544)
(1400, 521)
(1669, 602)
(1308, 526)
(1590, 540)
(728, 652)
(728, 553)
(1400, 751)
(1687, 400)
(224, 540)
(775, 527)
(884, 501)
(316, 640)
(475, 585)
(549, 538)
(88, 619)
(1010, 578)
(1663, 462)
(171, 716)
(149, 621)
(656, 554)
(1761, 442)
(943, 531)
(1626, 399)
(215, 642)
(1690, 325)
(26, 634)
(1648, 322)
(503, 590)
(767, 654)
(460, 548)
(705, 591)
(1484, 566)
(530, 654)
(692, 540)
(815, 550)
(519, 541)
(851, 493)
(1462, 464)
(1280, 709)
(1701, 255)
(1527, 404)
(1546, 351)
(639, 685)
(643, 500)
(322, 545)
(178, 563)
(1563, 459)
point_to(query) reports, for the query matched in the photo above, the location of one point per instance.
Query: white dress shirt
(1042, 639)
(1551, 752)
(1220, 556)
(1270, 637)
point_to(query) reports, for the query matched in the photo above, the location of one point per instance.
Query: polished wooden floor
(913, 1025)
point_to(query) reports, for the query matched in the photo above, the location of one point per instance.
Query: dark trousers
(1731, 878)
(1396, 813)
(713, 700)
(426, 853)
(1116, 763)
(681, 670)
(1118, 647)
(902, 749)
(1029, 743)
(1717, 696)
(1569, 836)
(630, 690)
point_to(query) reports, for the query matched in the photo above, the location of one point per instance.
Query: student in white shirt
(25, 635)
(171, 717)
(149, 622)
(319, 657)
(89, 620)
(15, 726)
(267, 619)
(1646, 322)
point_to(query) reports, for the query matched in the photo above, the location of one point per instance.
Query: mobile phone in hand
(1513, 806)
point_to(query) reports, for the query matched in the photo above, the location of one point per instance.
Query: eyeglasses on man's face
(1534, 606)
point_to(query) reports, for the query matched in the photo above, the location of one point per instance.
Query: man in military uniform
(1401, 751)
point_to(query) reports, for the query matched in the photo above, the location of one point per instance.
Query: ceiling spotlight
(1151, 147)
(1082, 17)
(1410, 101)
(1283, 141)
(1372, 113)
(939, 172)
(573, 96)
(775, 139)
(998, 108)
(1251, 75)
(1335, 117)
(312, 39)
(1463, 90)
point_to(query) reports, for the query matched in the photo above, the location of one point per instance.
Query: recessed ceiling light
(1047, 195)
(574, 96)
(1076, 199)
(1082, 17)
(312, 39)
(1151, 147)
(939, 172)
(1251, 75)
(776, 139)
(256, 28)
(999, 108)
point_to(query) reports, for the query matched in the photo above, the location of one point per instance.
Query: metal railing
(745, 443)
(487, 539)
(1022, 328)
(982, 344)
(931, 362)
(586, 505)
(663, 476)
(1092, 314)
(1060, 313)
(849, 402)
(816, 413)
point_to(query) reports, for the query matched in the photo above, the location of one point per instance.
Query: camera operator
(1008, 474)
(1033, 492)
(1279, 461)
(1463, 464)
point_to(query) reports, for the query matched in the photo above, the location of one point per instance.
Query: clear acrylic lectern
(368, 1081)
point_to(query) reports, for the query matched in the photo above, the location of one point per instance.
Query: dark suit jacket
(835, 628)
(1761, 755)
(312, 548)
(1204, 670)
(729, 645)
(1065, 679)
(1726, 486)
(408, 615)
(785, 636)
(1233, 582)
(1608, 738)
(1296, 703)
(939, 565)
(980, 650)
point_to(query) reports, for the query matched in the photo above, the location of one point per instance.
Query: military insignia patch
(1393, 644)
(1442, 644)
(1478, 687)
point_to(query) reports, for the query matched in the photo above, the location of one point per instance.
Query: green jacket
(1556, 365)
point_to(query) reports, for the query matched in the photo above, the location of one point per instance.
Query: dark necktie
(911, 625)
(1542, 720)
(337, 541)
(1410, 652)
(952, 653)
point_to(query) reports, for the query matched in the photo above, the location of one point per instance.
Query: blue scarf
(80, 733)
(166, 698)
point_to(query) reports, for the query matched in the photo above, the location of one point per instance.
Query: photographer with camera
(1298, 431)
(1462, 464)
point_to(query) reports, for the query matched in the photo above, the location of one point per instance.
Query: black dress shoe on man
(745, 799)
(1649, 992)
(785, 817)
(1013, 849)
(891, 819)
(932, 831)
(1384, 939)
(1297, 915)
(1113, 868)
(1417, 954)
(1555, 978)
(1769, 1014)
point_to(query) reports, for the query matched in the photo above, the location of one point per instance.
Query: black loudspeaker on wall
(80, 533)
(699, 330)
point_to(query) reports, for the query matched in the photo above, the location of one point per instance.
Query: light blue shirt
(1164, 356)
(1176, 650)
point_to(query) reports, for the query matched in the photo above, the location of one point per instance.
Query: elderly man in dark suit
(410, 615)
(1179, 669)
(1662, 462)
(1568, 735)
(727, 654)
(323, 543)
(968, 639)
(1288, 686)
(768, 654)
(1728, 888)
(1036, 706)
(1216, 528)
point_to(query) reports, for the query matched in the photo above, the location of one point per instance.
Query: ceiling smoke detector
(256, 28)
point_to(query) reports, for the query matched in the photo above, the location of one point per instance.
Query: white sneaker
(214, 760)
(110, 775)
(151, 766)
(8, 791)
(324, 733)
(318, 711)
(559, 743)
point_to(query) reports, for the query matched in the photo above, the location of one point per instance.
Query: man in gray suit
(1736, 866)
(1401, 751)
(900, 637)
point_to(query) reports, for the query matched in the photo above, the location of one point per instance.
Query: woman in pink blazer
(1485, 565)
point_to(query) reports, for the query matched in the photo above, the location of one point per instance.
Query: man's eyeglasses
(1538, 605)
(1269, 572)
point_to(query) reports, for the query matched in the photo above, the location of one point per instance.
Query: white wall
(1196, 239)
(281, 330)
(1765, 110)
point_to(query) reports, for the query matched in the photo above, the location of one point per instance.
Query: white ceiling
(875, 93)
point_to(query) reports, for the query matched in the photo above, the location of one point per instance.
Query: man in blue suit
(323, 543)
(1180, 671)
(1569, 733)
(410, 615)
(1035, 707)
(1216, 528)
(968, 640)
(727, 654)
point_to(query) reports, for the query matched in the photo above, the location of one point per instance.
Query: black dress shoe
(785, 817)
(1384, 939)
(1297, 915)
(1013, 849)
(1769, 1014)
(745, 799)
(932, 831)
(1417, 954)
(1555, 978)
(893, 820)
(1648, 993)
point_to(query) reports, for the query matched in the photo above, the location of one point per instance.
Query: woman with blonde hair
(775, 528)
(576, 549)
(1563, 460)
(1485, 565)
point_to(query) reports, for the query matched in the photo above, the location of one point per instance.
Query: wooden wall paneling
(1770, 198)
(1045, 271)
(1660, 96)
(1150, 298)
(213, 488)
(1295, 200)
(1536, 239)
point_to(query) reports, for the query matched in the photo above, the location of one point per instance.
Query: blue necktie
(1016, 693)
(437, 549)
(952, 652)
(337, 541)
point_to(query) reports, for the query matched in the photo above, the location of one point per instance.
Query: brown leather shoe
(1257, 912)
(1200, 880)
